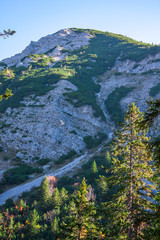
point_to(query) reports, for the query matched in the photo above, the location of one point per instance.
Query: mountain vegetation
(116, 193)
(123, 204)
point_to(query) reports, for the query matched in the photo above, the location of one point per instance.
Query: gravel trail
(67, 169)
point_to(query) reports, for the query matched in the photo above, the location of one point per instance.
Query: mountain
(70, 90)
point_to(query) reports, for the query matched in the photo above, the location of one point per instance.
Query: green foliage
(94, 169)
(56, 199)
(117, 73)
(41, 61)
(112, 103)
(154, 90)
(2, 64)
(100, 55)
(126, 206)
(6, 95)
(33, 81)
(131, 169)
(7, 33)
(74, 132)
(91, 142)
(43, 161)
(33, 228)
(19, 174)
(44, 193)
(65, 157)
(80, 220)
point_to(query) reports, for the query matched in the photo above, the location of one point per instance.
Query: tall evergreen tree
(152, 116)
(79, 221)
(32, 226)
(132, 172)
(56, 199)
(94, 169)
(44, 193)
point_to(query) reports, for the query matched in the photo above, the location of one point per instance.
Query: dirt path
(68, 169)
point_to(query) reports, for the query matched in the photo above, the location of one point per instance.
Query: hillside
(70, 90)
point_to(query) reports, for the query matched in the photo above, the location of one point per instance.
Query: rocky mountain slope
(71, 85)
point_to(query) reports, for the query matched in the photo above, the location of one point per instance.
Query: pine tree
(55, 226)
(79, 221)
(64, 195)
(152, 116)
(94, 169)
(32, 226)
(108, 157)
(56, 199)
(11, 229)
(44, 193)
(132, 172)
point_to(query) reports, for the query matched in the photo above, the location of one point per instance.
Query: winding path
(68, 168)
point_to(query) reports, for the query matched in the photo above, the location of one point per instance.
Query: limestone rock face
(149, 63)
(64, 39)
(48, 126)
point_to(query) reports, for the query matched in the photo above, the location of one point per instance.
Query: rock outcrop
(51, 45)
(49, 126)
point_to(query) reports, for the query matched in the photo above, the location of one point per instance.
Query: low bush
(112, 103)
(43, 161)
(91, 142)
(154, 90)
(65, 157)
(19, 174)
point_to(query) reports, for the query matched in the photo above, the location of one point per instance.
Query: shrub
(112, 103)
(73, 131)
(154, 90)
(43, 161)
(65, 157)
(19, 174)
(91, 142)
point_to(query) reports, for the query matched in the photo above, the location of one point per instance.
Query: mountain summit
(71, 89)
(52, 45)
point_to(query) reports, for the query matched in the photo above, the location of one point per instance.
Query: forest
(116, 200)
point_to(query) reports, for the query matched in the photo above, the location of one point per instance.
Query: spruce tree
(64, 194)
(79, 222)
(132, 171)
(94, 169)
(151, 118)
(44, 193)
(32, 226)
(56, 199)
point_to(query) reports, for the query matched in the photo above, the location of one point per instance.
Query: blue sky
(33, 19)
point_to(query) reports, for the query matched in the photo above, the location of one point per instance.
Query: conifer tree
(32, 226)
(56, 199)
(63, 195)
(152, 116)
(132, 172)
(94, 169)
(108, 157)
(44, 193)
(55, 226)
(79, 221)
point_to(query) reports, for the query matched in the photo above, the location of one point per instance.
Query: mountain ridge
(69, 90)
